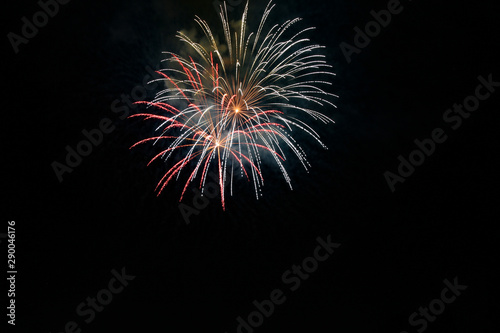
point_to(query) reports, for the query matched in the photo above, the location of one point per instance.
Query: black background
(397, 248)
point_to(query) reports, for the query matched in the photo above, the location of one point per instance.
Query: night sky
(393, 249)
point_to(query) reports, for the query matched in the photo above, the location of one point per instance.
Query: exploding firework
(229, 104)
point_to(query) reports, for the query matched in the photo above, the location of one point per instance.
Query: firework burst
(229, 104)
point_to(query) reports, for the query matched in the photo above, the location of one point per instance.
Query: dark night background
(397, 248)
